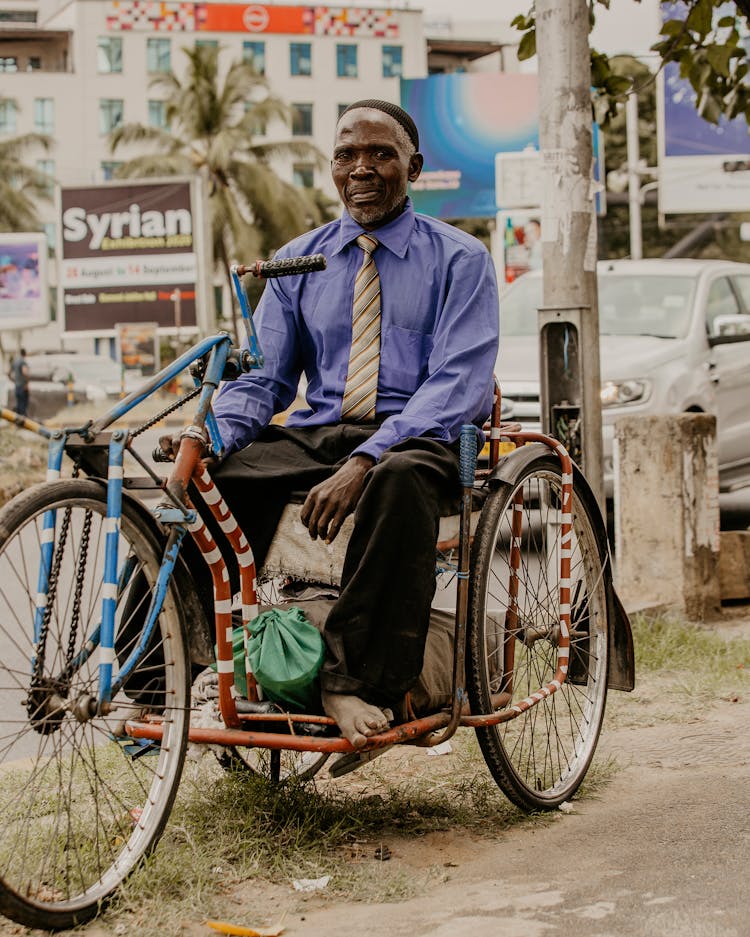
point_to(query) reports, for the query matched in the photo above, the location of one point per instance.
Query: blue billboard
(464, 120)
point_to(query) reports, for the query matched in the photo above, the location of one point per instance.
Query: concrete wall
(667, 514)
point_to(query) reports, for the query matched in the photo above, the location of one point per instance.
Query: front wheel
(81, 802)
(540, 757)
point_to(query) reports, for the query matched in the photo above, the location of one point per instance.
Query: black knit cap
(392, 110)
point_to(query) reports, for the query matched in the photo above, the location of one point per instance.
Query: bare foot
(357, 719)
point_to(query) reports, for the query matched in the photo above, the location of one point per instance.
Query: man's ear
(416, 161)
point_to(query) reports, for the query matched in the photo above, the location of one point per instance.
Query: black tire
(79, 808)
(539, 758)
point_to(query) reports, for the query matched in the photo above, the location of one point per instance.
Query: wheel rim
(80, 807)
(545, 751)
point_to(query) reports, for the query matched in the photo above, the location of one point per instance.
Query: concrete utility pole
(569, 323)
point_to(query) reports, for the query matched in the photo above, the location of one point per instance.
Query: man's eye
(344, 157)
(382, 154)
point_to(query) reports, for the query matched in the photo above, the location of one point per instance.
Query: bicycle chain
(164, 413)
(75, 613)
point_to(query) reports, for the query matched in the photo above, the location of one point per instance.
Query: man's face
(371, 166)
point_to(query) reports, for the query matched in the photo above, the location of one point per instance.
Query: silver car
(674, 338)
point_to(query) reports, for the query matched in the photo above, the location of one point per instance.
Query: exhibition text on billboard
(126, 248)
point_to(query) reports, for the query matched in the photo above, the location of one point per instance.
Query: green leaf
(672, 27)
(618, 84)
(708, 107)
(700, 17)
(718, 58)
(527, 46)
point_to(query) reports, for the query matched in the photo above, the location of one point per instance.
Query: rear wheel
(81, 802)
(539, 758)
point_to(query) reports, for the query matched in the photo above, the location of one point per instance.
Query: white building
(78, 69)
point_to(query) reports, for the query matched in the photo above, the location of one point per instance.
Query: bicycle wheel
(539, 758)
(80, 802)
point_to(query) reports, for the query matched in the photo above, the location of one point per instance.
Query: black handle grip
(159, 455)
(288, 266)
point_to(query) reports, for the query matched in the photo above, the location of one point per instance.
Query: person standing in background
(19, 373)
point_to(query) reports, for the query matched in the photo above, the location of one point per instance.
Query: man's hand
(330, 502)
(170, 444)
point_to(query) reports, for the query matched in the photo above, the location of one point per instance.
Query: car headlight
(620, 393)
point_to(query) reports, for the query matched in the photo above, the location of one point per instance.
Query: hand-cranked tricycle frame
(97, 607)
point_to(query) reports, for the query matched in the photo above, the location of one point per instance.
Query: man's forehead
(367, 121)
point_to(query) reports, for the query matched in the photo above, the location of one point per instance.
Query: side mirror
(729, 329)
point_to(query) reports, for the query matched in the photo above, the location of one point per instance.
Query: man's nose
(363, 163)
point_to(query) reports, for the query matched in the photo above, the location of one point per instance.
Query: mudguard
(621, 665)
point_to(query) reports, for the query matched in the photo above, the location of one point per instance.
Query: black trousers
(376, 633)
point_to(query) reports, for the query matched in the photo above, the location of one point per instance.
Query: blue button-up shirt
(439, 335)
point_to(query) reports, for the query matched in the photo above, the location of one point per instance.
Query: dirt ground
(662, 849)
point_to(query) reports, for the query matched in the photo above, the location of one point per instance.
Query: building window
(341, 109)
(346, 60)
(256, 123)
(254, 53)
(300, 58)
(8, 63)
(393, 61)
(34, 64)
(158, 56)
(303, 175)
(111, 112)
(109, 168)
(47, 168)
(157, 115)
(206, 43)
(8, 113)
(302, 120)
(44, 115)
(17, 16)
(108, 55)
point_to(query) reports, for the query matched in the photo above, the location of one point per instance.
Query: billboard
(464, 120)
(696, 157)
(125, 248)
(254, 18)
(24, 297)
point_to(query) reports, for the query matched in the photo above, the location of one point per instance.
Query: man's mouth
(363, 195)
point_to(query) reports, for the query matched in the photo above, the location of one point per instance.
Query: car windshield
(658, 306)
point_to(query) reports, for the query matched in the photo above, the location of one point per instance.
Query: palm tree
(213, 128)
(21, 187)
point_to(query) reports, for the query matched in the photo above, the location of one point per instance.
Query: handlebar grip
(159, 455)
(468, 454)
(287, 266)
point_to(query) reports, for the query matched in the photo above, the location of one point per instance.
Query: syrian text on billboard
(24, 297)
(125, 249)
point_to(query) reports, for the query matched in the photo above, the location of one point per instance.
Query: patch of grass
(669, 644)
(230, 829)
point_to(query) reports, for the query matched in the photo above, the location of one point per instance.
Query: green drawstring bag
(285, 654)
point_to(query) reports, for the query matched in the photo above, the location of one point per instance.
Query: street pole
(634, 176)
(568, 319)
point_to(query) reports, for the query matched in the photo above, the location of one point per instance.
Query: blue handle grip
(468, 454)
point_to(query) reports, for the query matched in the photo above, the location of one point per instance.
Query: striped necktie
(361, 386)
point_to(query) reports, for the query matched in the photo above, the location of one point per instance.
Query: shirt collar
(394, 235)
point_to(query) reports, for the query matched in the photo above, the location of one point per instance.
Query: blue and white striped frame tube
(110, 580)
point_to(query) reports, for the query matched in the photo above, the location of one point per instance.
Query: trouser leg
(375, 634)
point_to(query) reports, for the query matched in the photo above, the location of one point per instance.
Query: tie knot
(367, 243)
